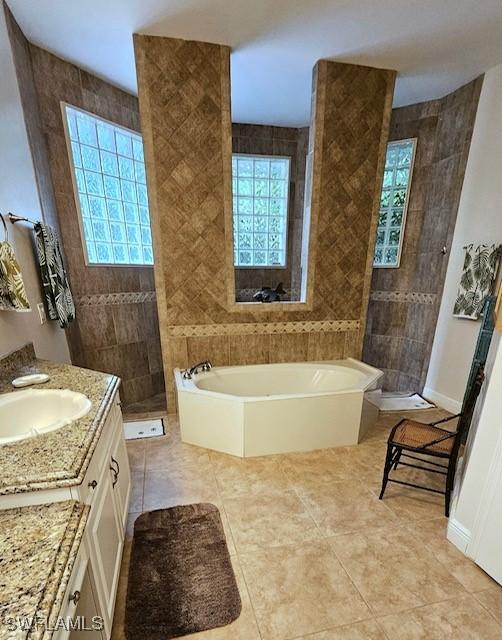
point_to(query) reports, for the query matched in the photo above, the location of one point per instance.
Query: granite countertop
(38, 549)
(59, 458)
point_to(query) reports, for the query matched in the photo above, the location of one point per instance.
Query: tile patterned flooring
(316, 555)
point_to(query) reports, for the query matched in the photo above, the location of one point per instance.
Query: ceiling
(435, 45)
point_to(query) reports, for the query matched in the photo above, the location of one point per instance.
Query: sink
(24, 414)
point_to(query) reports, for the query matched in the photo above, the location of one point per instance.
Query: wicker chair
(431, 441)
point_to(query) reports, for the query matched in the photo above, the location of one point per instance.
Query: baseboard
(442, 401)
(458, 535)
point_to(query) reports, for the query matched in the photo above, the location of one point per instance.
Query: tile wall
(184, 94)
(404, 302)
(116, 328)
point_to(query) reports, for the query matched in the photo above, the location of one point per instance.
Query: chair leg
(450, 477)
(386, 470)
(398, 458)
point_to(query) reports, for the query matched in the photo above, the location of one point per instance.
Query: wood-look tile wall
(118, 338)
(184, 95)
(400, 328)
(276, 141)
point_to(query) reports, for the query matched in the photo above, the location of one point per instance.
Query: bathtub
(257, 410)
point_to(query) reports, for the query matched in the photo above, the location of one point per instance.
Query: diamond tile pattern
(185, 114)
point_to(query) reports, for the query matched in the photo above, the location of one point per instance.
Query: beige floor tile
(269, 520)
(137, 487)
(491, 599)
(240, 476)
(432, 534)
(379, 434)
(412, 505)
(341, 507)
(245, 627)
(304, 470)
(365, 630)
(226, 527)
(300, 589)
(126, 557)
(462, 619)
(179, 485)
(366, 462)
(118, 617)
(136, 453)
(167, 452)
(393, 571)
(274, 508)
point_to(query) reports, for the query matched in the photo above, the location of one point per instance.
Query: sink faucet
(205, 365)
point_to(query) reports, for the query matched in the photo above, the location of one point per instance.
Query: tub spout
(201, 366)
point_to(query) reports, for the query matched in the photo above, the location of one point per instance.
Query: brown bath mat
(180, 576)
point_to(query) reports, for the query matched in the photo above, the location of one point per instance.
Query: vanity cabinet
(106, 489)
(107, 521)
(106, 540)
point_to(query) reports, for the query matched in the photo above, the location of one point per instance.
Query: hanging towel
(12, 292)
(479, 272)
(58, 297)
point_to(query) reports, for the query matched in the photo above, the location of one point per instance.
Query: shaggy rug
(180, 576)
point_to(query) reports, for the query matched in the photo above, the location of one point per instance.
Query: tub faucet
(205, 365)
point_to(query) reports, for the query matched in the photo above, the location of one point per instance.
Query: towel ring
(5, 228)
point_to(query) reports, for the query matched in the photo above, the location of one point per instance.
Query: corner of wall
(478, 221)
(20, 193)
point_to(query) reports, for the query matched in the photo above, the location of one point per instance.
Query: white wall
(479, 221)
(481, 467)
(18, 193)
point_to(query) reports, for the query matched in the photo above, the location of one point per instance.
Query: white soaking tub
(257, 410)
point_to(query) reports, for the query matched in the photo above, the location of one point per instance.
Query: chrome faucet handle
(205, 365)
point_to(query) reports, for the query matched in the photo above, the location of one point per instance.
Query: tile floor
(316, 555)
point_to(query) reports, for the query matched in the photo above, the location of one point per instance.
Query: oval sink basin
(24, 414)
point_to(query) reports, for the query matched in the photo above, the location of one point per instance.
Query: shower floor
(151, 408)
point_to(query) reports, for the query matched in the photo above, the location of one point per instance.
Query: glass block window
(110, 182)
(260, 208)
(394, 202)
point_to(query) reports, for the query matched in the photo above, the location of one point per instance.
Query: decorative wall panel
(184, 96)
(249, 328)
(129, 297)
(403, 296)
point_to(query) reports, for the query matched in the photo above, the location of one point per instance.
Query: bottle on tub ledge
(266, 294)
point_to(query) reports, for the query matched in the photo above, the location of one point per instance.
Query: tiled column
(184, 94)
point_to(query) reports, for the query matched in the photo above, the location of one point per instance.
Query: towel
(12, 292)
(58, 297)
(479, 272)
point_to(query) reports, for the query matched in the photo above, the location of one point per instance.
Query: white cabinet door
(106, 537)
(88, 613)
(121, 476)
